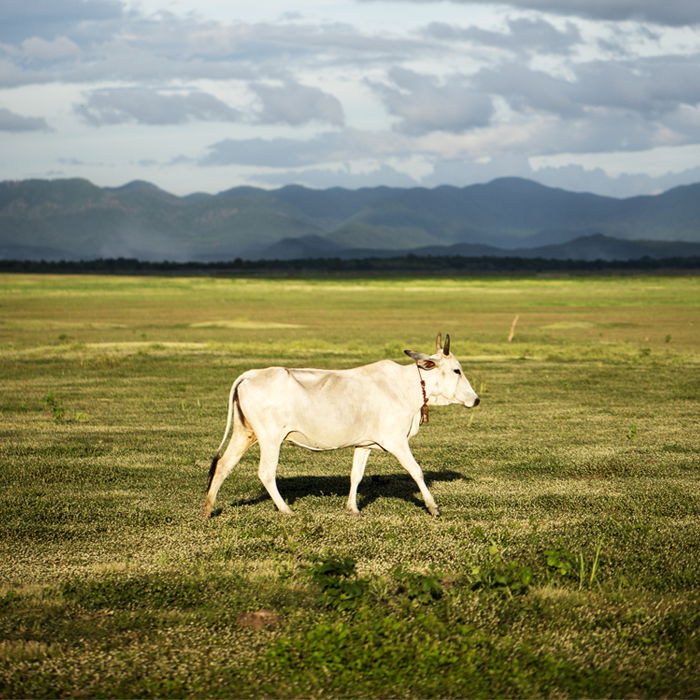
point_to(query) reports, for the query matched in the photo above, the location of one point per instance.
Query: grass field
(565, 563)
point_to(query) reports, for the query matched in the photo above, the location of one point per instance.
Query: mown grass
(565, 563)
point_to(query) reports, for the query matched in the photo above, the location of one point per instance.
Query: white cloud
(669, 12)
(60, 47)
(50, 18)
(132, 47)
(147, 106)
(10, 121)
(646, 86)
(525, 35)
(295, 104)
(424, 104)
(526, 89)
(327, 147)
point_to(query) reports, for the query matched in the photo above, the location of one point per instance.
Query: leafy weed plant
(337, 579)
(55, 406)
(498, 575)
(421, 588)
(564, 565)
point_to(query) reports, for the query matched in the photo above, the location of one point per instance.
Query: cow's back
(325, 409)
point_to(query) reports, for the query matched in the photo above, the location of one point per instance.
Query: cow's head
(449, 385)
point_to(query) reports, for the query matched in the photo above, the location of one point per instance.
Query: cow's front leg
(408, 462)
(267, 471)
(359, 461)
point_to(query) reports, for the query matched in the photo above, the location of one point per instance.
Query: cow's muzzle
(477, 401)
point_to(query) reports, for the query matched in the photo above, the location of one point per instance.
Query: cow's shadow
(372, 487)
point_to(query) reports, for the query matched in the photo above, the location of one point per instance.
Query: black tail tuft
(212, 469)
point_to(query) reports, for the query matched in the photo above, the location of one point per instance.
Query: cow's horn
(438, 342)
(446, 349)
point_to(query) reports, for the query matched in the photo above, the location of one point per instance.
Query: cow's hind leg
(267, 472)
(221, 467)
(408, 462)
(359, 461)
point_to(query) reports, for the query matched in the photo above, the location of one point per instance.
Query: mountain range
(73, 219)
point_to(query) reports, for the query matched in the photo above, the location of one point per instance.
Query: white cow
(376, 406)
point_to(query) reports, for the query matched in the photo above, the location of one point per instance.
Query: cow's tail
(233, 395)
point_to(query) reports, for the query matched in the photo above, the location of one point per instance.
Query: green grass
(565, 563)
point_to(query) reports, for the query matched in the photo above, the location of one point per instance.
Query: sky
(204, 95)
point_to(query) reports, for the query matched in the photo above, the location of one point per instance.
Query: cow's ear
(422, 360)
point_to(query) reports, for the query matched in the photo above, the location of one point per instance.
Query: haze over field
(197, 95)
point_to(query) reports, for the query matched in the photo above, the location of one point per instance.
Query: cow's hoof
(353, 513)
(435, 512)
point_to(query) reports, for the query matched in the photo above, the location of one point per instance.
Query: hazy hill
(74, 219)
(594, 247)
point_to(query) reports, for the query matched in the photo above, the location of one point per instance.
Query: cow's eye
(456, 371)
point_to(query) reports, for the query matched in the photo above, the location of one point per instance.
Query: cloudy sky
(203, 95)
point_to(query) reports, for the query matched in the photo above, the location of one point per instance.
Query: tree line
(398, 265)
